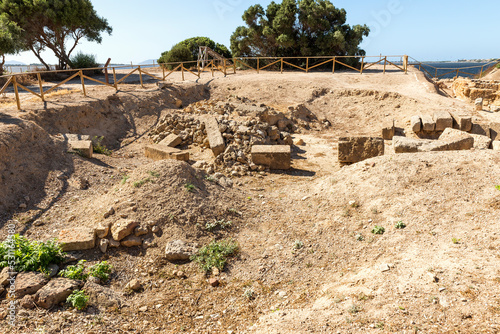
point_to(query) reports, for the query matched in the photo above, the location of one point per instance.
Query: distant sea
(444, 67)
(32, 68)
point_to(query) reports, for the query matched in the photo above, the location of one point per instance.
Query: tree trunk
(40, 58)
(1, 64)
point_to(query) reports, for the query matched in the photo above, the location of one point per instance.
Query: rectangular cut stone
(214, 136)
(428, 123)
(77, 239)
(461, 121)
(355, 149)
(496, 145)
(416, 124)
(83, 147)
(162, 152)
(481, 142)
(443, 120)
(75, 137)
(172, 140)
(495, 131)
(481, 128)
(273, 156)
(456, 140)
(388, 130)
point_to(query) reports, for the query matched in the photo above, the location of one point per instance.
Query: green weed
(217, 224)
(99, 148)
(400, 225)
(189, 187)
(378, 230)
(101, 270)
(78, 299)
(215, 254)
(124, 179)
(75, 271)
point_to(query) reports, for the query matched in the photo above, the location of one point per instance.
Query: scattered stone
(102, 296)
(5, 275)
(163, 84)
(94, 279)
(172, 140)
(22, 206)
(299, 142)
(481, 142)
(479, 104)
(122, 229)
(214, 136)
(27, 302)
(143, 309)
(77, 239)
(162, 152)
(103, 245)
(53, 270)
(272, 156)
(131, 241)
(82, 147)
(79, 182)
(215, 271)
(416, 124)
(496, 145)
(461, 121)
(180, 274)
(481, 128)
(428, 124)
(56, 291)
(384, 268)
(495, 131)
(114, 243)
(141, 230)
(442, 289)
(432, 277)
(213, 281)
(443, 120)
(110, 212)
(28, 283)
(134, 285)
(456, 140)
(388, 130)
(179, 250)
(178, 103)
(155, 229)
(102, 231)
(356, 149)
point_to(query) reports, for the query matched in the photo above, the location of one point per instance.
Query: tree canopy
(297, 28)
(50, 24)
(188, 49)
(10, 39)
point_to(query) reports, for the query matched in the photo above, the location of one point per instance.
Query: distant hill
(14, 62)
(148, 62)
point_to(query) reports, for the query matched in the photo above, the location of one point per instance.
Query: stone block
(162, 152)
(481, 142)
(481, 128)
(406, 145)
(82, 147)
(416, 124)
(214, 136)
(28, 283)
(456, 140)
(495, 131)
(172, 140)
(179, 250)
(80, 238)
(479, 104)
(122, 229)
(388, 130)
(131, 241)
(443, 120)
(56, 291)
(428, 124)
(461, 121)
(272, 156)
(496, 145)
(75, 137)
(355, 149)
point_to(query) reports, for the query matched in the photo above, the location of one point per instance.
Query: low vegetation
(378, 230)
(215, 254)
(78, 299)
(100, 270)
(99, 147)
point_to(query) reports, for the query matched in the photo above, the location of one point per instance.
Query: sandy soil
(440, 274)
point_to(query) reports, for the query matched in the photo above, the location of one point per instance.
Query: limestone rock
(179, 250)
(172, 140)
(428, 123)
(388, 130)
(27, 302)
(481, 142)
(114, 243)
(457, 140)
(272, 156)
(103, 245)
(481, 128)
(122, 229)
(496, 145)
(103, 231)
(131, 241)
(77, 239)
(5, 276)
(82, 147)
(215, 139)
(162, 152)
(28, 283)
(102, 296)
(416, 124)
(56, 291)
(134, 285)
(141, 230)
(461, 121)
(356, 149)
(443, 120)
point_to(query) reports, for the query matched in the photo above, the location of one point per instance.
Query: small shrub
(189, 187)
(359, 237)
(400, 225)
(99, 148)
(124, 179)
(217, 224)
(78, 299)
(249, 294)
(298, 244)
(378, 230)
(154, 174)
(75, 271)
(30, 255)
(215, 254)
(142, 182)
(455, 240)
(82, 60)
(354, 309)
(497, 187)
(101, 270)
(498, 65)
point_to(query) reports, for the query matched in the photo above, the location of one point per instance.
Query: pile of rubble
(472, 90)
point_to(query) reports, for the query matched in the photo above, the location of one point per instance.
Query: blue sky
(423, 29)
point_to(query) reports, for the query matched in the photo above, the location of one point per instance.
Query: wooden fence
(224, 66)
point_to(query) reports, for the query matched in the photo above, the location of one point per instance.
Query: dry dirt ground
(440, 274)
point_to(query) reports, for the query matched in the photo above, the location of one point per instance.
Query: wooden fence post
(234, 66)
(385, 63)
(258, 63)
(362, 65)
(16, 92)
(281, 65)
(436, 73)
(40, 85)
(114, 79)
(140, 75)
(83, 83)
(481, 74)
(307, 65)
(163, 70)
(333, 67)
(182, 70)
(406, 64)
(212, 68)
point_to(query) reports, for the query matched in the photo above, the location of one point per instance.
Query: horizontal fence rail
(225, 66)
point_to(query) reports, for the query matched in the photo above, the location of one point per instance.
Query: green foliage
(49, 24)
(99, 147)
(400, 225)
(189, 187)
(78, 299)
(10, 39)
(497, 187)
(215, 254)
(82, 60)
(75, 271)
(378, 230)
(101, 270)
(298, 244)
(217, 224)
(188, 50)
(124, 179)
(455, 240)
(30, 255)
(298, 28)
(498, 65)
